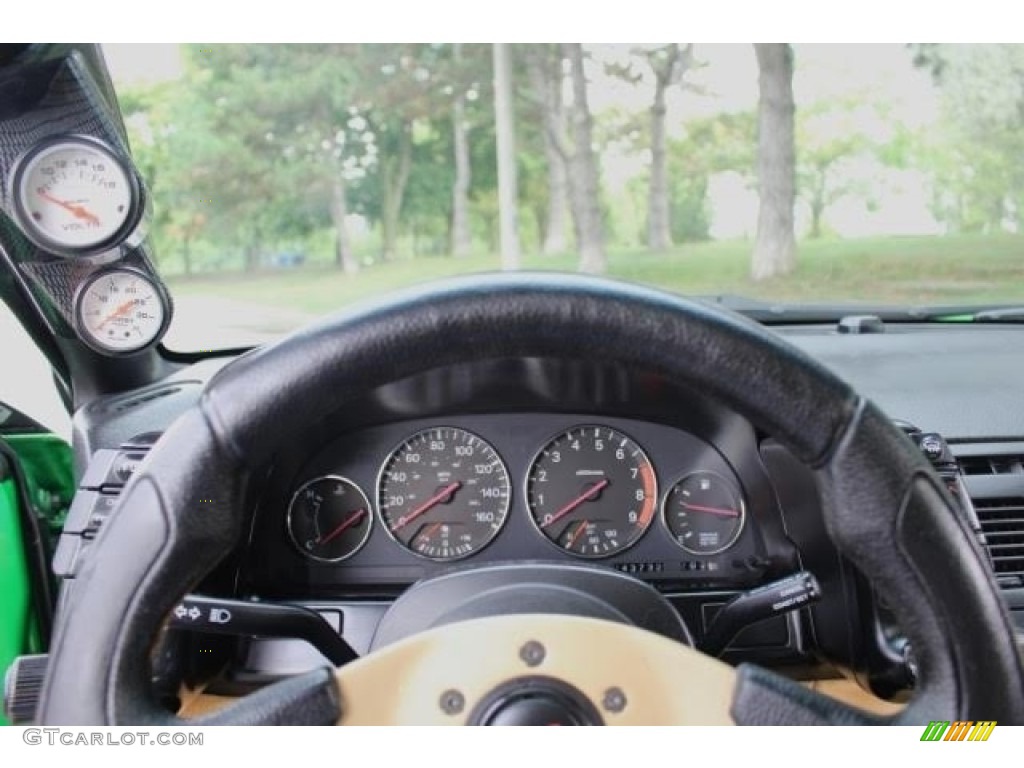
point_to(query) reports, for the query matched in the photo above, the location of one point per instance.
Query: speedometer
(592, 491)
(73, 195)
(443, 494)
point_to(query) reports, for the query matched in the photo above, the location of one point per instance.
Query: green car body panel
(46, 464)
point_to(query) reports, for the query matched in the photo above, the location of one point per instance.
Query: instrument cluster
(636, 495)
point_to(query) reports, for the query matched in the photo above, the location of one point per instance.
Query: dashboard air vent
(992, 465)
(1002, 521)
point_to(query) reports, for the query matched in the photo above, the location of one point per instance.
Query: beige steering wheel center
(629, 675)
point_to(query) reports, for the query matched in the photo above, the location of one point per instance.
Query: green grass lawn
(893, 270)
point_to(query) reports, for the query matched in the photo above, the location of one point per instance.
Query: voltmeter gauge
(118, 311)
(73, 195)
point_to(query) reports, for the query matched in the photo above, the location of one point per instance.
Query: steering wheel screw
(452, 702)
(532, 653)
(614, 700)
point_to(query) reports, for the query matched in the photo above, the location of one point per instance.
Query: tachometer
(74, 195)
(704, 513)
(592, 491)
(443, 494)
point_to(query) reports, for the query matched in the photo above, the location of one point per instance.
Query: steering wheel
(885, 510)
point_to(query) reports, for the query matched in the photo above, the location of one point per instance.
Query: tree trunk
(659, 233)
(669, 65)
(585, 185)
(343, 255)
(545, 73)
(508, 196)
(775, 246)
(462, 241)
(395, 177)
(186, 251)
(252, 257)
(558, 207)
(557, 216)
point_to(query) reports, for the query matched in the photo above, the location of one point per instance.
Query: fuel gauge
(329, 519)
(704, 513)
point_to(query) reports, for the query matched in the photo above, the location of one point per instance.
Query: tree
(544, 69)
(668, 63)
(584, 179)
(775, 245)
(707, 146)
(461, 237)
(296, 141)
(504, 119)
(830, 138)
(977, 153)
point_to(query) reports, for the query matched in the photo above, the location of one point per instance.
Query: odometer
(443, 494)
(592, 491)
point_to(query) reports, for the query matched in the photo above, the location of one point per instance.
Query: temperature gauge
(73, 195)
(119, 311)
(329, 519)
(704, 513)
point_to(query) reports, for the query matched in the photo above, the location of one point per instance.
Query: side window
(26, 379)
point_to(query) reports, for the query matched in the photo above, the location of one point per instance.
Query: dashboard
(447, 470)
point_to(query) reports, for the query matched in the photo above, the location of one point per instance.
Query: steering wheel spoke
(456, 675)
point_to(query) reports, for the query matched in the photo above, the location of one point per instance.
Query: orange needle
(429, 531)
(78, 211)
(117, 312)
(579, 531)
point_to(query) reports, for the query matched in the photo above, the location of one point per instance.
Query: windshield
(291, 180)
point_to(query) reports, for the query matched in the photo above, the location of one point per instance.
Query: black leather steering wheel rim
(884, 508)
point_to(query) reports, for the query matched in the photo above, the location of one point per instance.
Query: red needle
(586, 496)
(577, 534)
(78, 211)
(712, 510)
(427, 505)
(347, 523)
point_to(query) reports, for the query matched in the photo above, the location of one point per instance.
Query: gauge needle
(78, 211)
(720, 511)
(117, 312)
(586, 496)
(577, 533)
(429, 531)
(343, 526)
(427, 505)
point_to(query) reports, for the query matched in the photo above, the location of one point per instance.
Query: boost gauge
(118, 311)
(74, 196)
